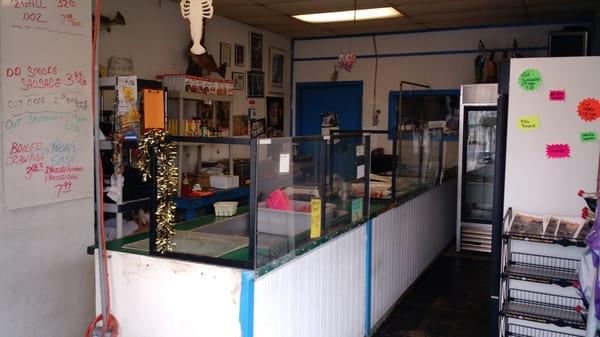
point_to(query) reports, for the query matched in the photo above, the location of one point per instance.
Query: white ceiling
(274, 15)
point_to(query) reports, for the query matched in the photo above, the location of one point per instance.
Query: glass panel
(409, 166)
(347, 174)
(212, 200)
(432, 156)
(289, 188)
(479, 158)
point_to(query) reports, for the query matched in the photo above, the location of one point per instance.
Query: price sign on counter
(315, 218)
(357, 209)
(45, 62)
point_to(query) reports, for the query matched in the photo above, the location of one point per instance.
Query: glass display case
(478, 163)
(290, 204)
(419, 160)
(381, 167)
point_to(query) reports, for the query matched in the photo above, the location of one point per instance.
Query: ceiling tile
(268, 20)
(379, 29)
(316, 6)
(575, 7)
(219, 3)
(456, 6)
(243, 11)
(467, 15)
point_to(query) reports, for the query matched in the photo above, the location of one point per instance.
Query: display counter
(336, 254)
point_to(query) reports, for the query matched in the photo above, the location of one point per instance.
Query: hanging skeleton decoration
(196, 11)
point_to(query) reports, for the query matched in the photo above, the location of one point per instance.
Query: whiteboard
(45, 59)
(534, 182)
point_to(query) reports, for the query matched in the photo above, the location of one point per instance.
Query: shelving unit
(123, 205)
(181, 97)
(549, 307)
(542, 269)
(516, 330)
(539, 307)
(563, 241)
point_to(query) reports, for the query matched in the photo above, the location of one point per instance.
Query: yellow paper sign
(527, 123)
(315, 218)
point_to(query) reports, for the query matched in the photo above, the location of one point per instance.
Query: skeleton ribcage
(205, 5)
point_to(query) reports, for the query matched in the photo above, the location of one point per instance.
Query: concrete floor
(450, 300)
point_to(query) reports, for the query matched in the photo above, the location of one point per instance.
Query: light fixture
(358, 15)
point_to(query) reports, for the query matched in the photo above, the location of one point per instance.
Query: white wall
(157, 38)
(445, 71)
(555, 191)
(46, 278)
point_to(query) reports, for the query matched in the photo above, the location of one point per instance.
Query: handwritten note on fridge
(45, 59)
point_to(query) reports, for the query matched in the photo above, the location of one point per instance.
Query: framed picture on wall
(276, 70)
(240, 125)
(256, 84)
(257, 127)
(240, 55)
(256, 51)
(225, 53)
(239, 80)
(275, 116)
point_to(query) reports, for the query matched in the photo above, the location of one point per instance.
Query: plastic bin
(224, 182)
(288, 223)
(225, 208)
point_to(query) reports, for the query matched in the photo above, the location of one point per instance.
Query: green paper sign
(357, 209)
(588, 137)
(530, 79)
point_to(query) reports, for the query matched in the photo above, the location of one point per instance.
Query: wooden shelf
(198, 97)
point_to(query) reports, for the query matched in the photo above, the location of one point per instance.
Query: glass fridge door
(479, 154)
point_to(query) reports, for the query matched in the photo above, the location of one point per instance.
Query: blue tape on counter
(247, 304)
(368, 265)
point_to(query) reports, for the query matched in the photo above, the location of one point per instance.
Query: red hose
(110, 324)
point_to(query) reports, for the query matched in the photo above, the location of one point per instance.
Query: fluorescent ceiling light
(361, 14)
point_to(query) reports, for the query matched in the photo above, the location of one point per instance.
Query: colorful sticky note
(527, 123)
(557, 95)
(588, 136)
(589, 109)
(315, 218)
(556, 151)
(530, 79)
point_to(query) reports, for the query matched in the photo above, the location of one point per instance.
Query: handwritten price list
(46, 101)
(30, 105)
(40, 100)
(52, 163)
(57, 16)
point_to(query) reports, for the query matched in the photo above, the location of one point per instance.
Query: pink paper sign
(557, 95)
(554, 151)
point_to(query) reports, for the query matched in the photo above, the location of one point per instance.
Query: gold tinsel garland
(166, 181)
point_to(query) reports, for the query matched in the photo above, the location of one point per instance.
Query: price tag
(315, 218)
(357, 209)
(360, 171)
(360, 150)
(284, 163)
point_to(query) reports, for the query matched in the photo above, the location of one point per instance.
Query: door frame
(324, 84)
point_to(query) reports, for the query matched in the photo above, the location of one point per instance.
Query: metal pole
(99, 195)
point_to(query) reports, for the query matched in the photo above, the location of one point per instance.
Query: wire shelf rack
(516, 330)
(544, 308)
(542, 269)
(560, 240)
(563, 241)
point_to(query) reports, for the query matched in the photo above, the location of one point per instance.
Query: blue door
(315, 98)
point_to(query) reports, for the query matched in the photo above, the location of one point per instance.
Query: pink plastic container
(279, 200)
